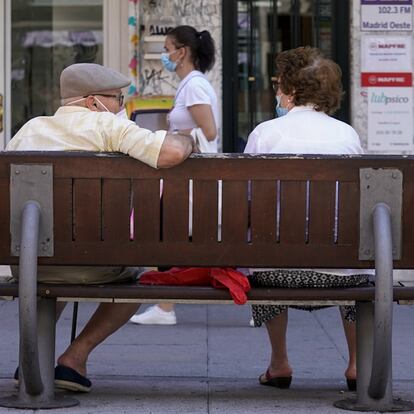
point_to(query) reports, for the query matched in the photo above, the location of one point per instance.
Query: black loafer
(68, 379)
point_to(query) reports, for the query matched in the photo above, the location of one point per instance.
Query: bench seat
(134, 292)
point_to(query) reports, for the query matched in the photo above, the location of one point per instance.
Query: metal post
(380, 386)
(33, 392)
(29, 356)
(374, 330)
(47, 333)
(365, 346)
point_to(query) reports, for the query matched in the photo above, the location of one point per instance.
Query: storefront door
(38, 39)
(254, 31)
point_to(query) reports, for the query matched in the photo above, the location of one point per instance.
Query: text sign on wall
(390, 119)
(386, 54)
(386, 15)
(381, 79)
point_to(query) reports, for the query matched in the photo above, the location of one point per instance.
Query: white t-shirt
(194, 89)
(305, 131)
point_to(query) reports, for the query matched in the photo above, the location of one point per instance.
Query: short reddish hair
(310, 78)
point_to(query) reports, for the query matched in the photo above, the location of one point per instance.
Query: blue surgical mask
(167, 62)
(279, 110)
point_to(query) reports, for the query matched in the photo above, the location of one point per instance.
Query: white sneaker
(154, 315)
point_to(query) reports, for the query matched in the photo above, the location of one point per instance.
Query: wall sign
(390, 111)
(390, 119)
(386, 15)
(386, 53)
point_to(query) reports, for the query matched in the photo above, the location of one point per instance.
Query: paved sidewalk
(210, 361)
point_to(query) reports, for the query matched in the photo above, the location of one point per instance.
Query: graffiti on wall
(156, 17)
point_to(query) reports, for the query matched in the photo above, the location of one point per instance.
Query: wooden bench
(275, 211)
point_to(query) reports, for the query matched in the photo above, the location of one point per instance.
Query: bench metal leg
(36, 373)
(374, 331)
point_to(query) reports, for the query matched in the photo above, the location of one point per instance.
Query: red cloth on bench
(218, 277)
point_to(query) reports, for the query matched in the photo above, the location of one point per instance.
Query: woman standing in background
(190, 54)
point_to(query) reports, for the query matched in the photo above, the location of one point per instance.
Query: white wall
(116, 36)
(359, 104)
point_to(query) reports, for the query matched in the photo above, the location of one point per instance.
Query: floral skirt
(284, 278)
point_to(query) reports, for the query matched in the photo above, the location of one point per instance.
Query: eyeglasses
(120, 97)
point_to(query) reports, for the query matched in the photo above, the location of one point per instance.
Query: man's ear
(90, 103)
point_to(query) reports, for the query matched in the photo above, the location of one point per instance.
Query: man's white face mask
(121, 114)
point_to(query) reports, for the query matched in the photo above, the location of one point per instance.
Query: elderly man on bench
(91, 119)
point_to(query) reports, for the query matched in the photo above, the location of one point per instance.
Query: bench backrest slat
(234, 214)
(323, 227)
(175, 210)
(292, 212)
(205, 217)
(147, 209)
(264, 223)
(116, 209)
(87, 219)
(5, 215)
(63, 216)
(348, 213)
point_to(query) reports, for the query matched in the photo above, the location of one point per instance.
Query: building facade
(371, 41)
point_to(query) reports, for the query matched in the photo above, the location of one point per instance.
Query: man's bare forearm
(175, 149)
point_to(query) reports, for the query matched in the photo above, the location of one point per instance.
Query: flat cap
(83, 79)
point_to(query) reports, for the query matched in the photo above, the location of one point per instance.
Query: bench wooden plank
(220, 166)
(175, 210)
(133, 290)
(263, 211)
(293, 212)
(146, 211)
(116, 210)
(5, 217)
(87, 210)
(63, 210)
(234, 212)
(205, 211)
(193, 254)
(408, 216)
(348, 214)
(322, 212)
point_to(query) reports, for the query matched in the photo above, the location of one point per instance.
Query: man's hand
(175, 149)
(188, 132)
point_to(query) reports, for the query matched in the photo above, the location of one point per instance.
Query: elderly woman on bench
(308, 90)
